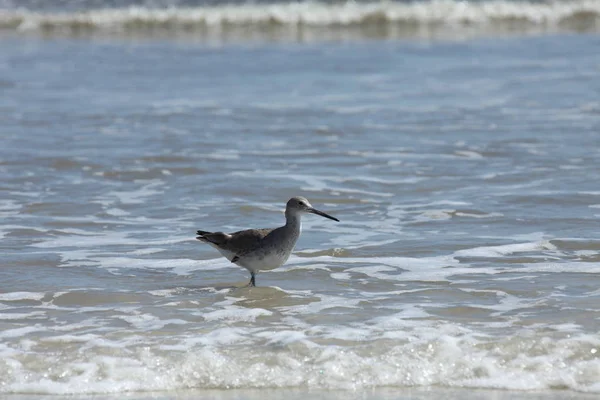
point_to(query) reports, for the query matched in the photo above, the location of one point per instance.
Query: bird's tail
(202, 236)
(212, 237)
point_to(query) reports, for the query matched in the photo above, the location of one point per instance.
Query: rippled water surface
(465, 176)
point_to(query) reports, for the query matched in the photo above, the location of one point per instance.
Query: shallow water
(463, 173)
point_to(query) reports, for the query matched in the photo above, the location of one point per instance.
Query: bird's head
(299, 205)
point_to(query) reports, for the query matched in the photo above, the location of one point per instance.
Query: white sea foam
(21, 332)
(219, 337)
(224, 155)
(309, 13)
(325, 302)
(9, 208)
(117, 212)
(149, 250)
(469, 154)
(283, 337)
(86, 338)
(179, 266)
(137, 196)
(344, 276)
(495, 251)
(31, 315)
(18, 296)
(234, 313)
(478, 216)
(573, 267)
(97, 240)
(420, 355)
(149, 322)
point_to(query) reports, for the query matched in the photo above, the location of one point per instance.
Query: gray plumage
(263, 249)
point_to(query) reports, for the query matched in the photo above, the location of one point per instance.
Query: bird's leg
(252, 282)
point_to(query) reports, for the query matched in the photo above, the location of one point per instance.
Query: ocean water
(306, 21)
(464, 169)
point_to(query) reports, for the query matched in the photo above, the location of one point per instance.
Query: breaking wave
(383, 18)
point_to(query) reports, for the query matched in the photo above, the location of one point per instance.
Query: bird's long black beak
(322, 214)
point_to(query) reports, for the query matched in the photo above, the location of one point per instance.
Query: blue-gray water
(464, 173)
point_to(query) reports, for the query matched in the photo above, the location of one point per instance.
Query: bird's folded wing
(244, 242)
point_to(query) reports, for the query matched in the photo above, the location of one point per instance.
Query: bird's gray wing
(239, 243)
(244, 242)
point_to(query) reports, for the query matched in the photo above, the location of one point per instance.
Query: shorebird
(263, 249)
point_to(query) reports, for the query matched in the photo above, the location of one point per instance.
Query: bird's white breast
(263, 262)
